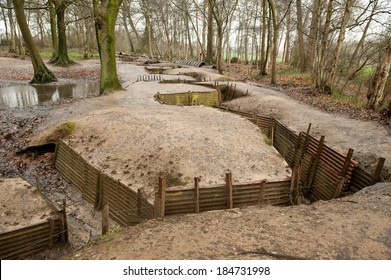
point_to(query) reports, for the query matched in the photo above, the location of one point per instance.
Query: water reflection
(29, 95)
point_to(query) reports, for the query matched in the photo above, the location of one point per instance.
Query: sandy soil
(369, 139)
(21, 205)
(356, 227)
(186, 142)
(134, 138)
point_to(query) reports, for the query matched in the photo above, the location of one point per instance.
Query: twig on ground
(262, 251)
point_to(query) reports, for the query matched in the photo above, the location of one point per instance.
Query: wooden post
(345, 167)
(228, 182)
(139, 202)
(296, 150)
(377, 173)
(339, 187)
(55, 153)
(316, 161)
(197, 195)
(262, 192)
(273, 131)
(64, 235)
(38, 184)
(99, 192)
(294, 189)
(51, 233)
(105, 219)
(160, 198)
(307, 136)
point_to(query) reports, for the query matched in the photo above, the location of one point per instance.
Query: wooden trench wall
(209, 99)
(182, 200)
(319, 172)
(127, 207)
(24, 242)
(324, 173)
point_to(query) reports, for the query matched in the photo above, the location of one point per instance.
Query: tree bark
(275, 41)
(41, 73)
(53, 28)
(12, 45)
(209, 38)
(62, 59)
(148, 27)
(300, 37)
(320, 71)
(105, 14)
(263, 59)
(313, 36)
(376, 92)
(341, 37)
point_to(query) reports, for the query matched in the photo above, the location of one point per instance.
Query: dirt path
(370, 140)
(357, 227)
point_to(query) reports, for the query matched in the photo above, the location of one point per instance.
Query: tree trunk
(12, 45)
(351, 71)
(148, 27)
(313, 37)
(53, 28)
(346, 16)
(263, 59)
(320, 72)
(376, 92)
(105, 14)
(128, 36)
(300, 37)
(275, 41)
(62, 59)
(209, 47)
(287, 47)
(41, 73)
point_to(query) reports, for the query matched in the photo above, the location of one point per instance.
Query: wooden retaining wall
(325, 173)
(209, 99)
(33, 239)
(127, 207)
(195, 199)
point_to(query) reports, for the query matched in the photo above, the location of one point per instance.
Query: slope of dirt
(136, 139)
(357, 227)
(21, 205)
(369, 139)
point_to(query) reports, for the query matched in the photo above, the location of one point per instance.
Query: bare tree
(376, 92)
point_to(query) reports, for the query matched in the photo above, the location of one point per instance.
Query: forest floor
(198, 141)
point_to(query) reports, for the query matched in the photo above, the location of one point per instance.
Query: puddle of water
(29, 95)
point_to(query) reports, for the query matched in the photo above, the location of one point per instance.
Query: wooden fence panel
(127, 207)
(30, 240)
(121, 200)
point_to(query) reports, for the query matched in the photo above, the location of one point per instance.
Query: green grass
(73, 54)
(353, 100)
(364, 74)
